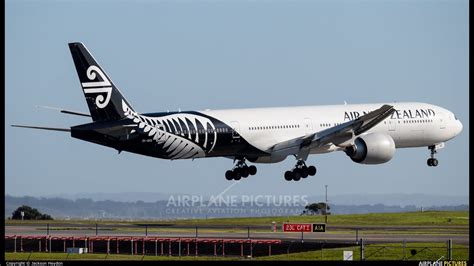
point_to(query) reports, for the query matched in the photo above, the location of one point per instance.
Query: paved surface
(384, 234)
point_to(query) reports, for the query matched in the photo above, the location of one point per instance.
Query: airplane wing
(337, 134)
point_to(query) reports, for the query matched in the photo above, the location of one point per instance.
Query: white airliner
(367, 133)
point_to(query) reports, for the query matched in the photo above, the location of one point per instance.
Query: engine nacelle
(372, 148)
(268, 159)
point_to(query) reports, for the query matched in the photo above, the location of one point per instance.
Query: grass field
(429, 218)
(392, 219)
(424, 251)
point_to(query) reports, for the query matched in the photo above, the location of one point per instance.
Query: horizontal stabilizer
(45, 128)
(64, 111)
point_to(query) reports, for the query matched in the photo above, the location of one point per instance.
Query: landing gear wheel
(288, 175)
(304, 172)
(244, 171)
(229, 175)
(432, 162)
(297, 174)
(252, 170)
(311, 170)
(237, 174)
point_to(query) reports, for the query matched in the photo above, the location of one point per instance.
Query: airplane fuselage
(252, 132)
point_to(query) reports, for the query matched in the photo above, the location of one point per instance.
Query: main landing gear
(432, 161)
(240, 170)
(300, 171)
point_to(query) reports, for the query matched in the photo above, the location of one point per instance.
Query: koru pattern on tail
(98, 86)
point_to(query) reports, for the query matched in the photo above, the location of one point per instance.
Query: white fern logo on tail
(181, 144)
(98, 87)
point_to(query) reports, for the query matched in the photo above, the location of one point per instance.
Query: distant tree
(316, 208)
(323, 208)
(30, 214)
(311, 209)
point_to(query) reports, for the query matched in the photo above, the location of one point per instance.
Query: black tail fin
(103, 98)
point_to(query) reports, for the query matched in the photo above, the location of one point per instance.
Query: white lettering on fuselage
(398, 114)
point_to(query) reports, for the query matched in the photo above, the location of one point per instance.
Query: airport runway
(458, 234)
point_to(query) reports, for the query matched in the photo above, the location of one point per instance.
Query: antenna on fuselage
(345, 103)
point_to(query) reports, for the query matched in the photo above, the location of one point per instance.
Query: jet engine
(373, 148)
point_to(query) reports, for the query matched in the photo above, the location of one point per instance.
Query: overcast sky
(229, 54)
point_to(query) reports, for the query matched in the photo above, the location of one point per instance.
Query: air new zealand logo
(98, 87)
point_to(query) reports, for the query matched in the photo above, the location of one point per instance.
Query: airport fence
(244, 241)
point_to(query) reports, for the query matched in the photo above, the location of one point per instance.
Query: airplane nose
(458, 127)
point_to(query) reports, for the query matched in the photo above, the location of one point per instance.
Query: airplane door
(391, 124)
(308, 127)
(441, 124)
(392, 130)
(235, 129)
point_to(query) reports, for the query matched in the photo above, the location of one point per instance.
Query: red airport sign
(297, 227)
(287, 227)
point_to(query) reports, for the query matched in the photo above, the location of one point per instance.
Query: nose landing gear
(432, 161)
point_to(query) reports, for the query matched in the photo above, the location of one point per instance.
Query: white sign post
(22, 215)
(347, 255)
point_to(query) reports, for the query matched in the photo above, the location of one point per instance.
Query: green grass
(425, 251)
(435, 218)
(392, 219)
